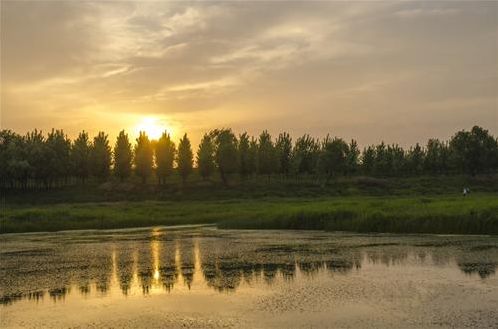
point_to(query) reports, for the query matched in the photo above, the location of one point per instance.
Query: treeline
(37, 161)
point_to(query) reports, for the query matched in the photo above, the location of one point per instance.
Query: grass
(476, 214)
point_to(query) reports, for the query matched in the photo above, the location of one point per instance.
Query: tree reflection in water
(161, 260)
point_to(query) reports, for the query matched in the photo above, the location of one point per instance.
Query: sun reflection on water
(166, 262)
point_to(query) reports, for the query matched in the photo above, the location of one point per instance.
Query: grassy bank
(477, 214)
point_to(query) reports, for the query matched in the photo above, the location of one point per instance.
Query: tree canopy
(165, 152)
(143, 157)
(226, 153)
(205, 157)
(185, 158)
(36, 160)
(123, 156)
(100, 156)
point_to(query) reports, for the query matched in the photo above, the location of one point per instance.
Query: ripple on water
(205, 278)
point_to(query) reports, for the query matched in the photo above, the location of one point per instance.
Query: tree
(244, 156)
(283, 148)
(444, 158)
(6, 138)
(252, 157)
(226, 154)
(333, 157)
(415, 160)
(205, 157)
(100, 156)
(185, 158)
(13, 161)
(123, 156)
(397, 162)
(368, 160)
(475, 151)
(436, 158)
(389, 160)
(381, 163)
(59, 147)
(80, 156)
(352, 158)
(143, 157)
(267, 159)
(305, 155)
(37, 155)
(165, 156)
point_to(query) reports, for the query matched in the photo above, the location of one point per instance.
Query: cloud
(215, 84)
(40, 40)
(305, 67)
(259, 54)
(435, 12)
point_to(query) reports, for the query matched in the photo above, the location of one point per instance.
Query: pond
(202, 277)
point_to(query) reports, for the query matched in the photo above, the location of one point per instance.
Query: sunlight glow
(155, 255)
(153, 127)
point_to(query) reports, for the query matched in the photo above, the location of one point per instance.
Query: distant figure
(466, 191)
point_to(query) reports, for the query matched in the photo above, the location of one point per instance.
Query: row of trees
(34, 160)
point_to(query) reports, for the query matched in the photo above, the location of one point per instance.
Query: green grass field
(476, 214)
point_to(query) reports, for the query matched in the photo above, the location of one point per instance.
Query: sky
(395, 71)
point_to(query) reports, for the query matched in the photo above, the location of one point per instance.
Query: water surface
(201, 277)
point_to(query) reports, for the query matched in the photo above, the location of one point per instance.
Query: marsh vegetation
(408, 214)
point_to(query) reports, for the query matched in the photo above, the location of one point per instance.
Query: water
(201, 277)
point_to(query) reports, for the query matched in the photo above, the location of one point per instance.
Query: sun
(153, 127)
